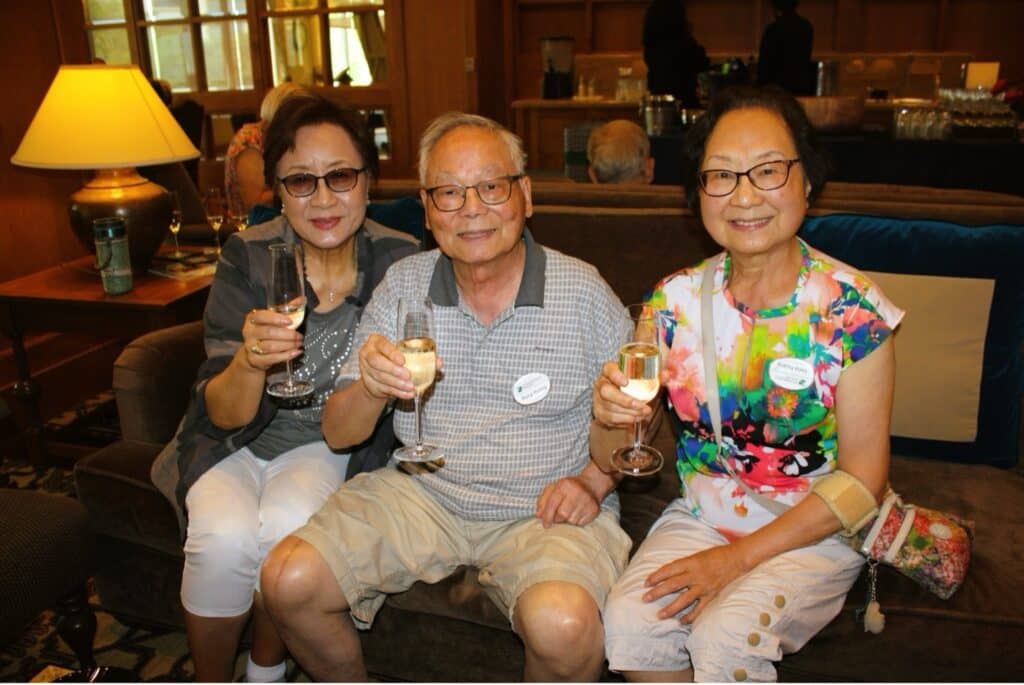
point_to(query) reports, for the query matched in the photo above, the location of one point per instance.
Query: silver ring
(256, 349)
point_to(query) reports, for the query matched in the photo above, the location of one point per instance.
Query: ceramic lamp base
(144, 206)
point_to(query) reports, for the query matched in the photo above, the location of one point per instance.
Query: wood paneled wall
(986, 28)
(35, 231)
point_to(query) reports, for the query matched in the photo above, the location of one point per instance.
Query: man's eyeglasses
(338, 180)
(493, 191)
(766, 176)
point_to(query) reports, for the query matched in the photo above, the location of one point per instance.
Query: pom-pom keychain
(874, 619)
(871, 614)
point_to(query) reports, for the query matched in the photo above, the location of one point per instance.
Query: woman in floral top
(722, 587)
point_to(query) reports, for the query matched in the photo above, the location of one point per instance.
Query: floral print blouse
(777, 374)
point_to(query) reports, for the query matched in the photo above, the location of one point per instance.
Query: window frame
(384, 95)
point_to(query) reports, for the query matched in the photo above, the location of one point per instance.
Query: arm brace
(848, 498)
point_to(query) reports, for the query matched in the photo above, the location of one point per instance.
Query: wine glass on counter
(214, 205)
(175, 226)
(416, 343)
(239, 221)
(287, 295)
(640, 360)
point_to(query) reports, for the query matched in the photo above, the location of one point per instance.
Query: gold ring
(256, 349)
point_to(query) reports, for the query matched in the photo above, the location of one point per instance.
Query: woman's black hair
(772, 98)
(309, 110)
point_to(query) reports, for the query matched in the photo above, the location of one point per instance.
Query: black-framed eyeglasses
(339, 180)
(764, 176)
(452, 197)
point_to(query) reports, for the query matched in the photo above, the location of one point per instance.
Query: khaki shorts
(381, 532)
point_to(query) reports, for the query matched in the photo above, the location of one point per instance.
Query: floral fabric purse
(929, 547)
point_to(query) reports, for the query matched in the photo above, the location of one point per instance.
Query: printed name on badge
(531, 388)
(791, 373)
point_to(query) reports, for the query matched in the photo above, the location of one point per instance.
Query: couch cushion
(930, 366)
(911, 246)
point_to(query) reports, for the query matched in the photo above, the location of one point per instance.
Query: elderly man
(523, 331)
(619, 152)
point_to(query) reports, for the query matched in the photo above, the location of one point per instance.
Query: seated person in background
(246, 469)
(785, 55)
(743, 569)
(619, 152)
(244, 184)
(523, 331)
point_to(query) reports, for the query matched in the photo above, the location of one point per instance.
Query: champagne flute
(640, 360)
(239, 221)
(175, 226)
(287, 295)
(416, 328)
(214, 202)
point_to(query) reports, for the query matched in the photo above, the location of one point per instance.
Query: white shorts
(238, 510)
(773, 610)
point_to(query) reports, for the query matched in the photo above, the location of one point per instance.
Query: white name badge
(791, 373)
(531, 388)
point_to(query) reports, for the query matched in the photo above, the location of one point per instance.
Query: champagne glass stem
(419, 419)
(638, 433)
(288, 370)
(177, 247)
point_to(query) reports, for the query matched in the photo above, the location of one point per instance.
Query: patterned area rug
(151, 655)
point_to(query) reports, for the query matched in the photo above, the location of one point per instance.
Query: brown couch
(451, 631)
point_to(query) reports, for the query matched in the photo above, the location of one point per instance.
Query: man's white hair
(617, 152)
(452, 120)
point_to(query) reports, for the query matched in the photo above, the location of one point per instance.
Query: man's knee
(555, 617)
(294, 576)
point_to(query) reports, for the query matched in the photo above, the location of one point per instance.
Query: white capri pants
(773, 610)
(237, 512)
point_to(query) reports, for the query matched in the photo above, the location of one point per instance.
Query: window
(341, 44)
(108, 31)
(206, 46)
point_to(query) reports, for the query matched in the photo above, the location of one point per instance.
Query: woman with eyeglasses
(246, 469)
(745, 565)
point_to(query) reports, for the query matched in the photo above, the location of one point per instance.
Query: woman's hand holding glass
(269, 338)
(622, 392)
(286, 297)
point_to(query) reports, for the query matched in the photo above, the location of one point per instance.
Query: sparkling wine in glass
(640, 360)
(214, 202)
(175, 226)
(239, 221)
(416, 343)
(287, 295)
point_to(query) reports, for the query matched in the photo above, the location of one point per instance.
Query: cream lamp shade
(109, 118)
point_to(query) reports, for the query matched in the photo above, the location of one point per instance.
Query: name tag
(531, 388)
(791, 373)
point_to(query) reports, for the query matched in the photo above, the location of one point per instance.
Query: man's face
(478, 234)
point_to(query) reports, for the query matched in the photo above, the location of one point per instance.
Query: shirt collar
(445, 293)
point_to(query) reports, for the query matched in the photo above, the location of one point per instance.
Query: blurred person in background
(673, 55)
(619, 152)
(785, 55)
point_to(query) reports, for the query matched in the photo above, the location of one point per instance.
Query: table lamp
(109, 119)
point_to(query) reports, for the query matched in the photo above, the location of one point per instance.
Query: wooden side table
(70, 298)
